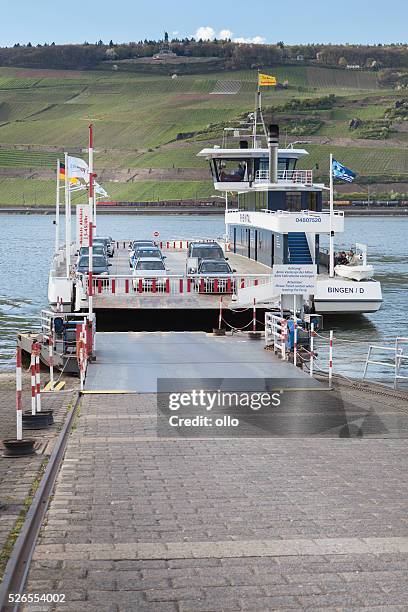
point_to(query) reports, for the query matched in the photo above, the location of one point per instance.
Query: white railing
(120, 285)
(301, 177)
(396, 361)
(276, 333)
(288, 213)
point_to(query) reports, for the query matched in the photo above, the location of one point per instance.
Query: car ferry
(279, 220)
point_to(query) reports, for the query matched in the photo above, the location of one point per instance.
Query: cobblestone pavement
(18, 475)
(143, 523)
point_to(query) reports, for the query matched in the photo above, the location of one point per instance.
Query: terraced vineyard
(156, 122)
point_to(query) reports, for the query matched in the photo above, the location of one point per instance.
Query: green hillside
(156, 122)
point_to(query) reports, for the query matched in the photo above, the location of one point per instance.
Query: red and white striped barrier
(254, 316)
(33, 383)
(295, 339)
(172, 284)
(19, 395)
(220, 315)
(37, 349)
(82, 353)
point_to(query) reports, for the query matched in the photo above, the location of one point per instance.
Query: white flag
(100, 190)
(77, 168)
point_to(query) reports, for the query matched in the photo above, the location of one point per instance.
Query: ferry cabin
(279, 218)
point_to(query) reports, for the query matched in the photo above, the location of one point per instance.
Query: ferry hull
(347, 297)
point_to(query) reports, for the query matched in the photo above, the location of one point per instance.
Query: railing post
(331, 359)
(311, 349)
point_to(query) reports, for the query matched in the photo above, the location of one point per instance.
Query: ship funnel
(273, 143)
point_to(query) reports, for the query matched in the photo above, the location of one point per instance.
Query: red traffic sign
(156, 234)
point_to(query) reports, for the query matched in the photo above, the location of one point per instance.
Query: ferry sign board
(293, 279)
(82, 225)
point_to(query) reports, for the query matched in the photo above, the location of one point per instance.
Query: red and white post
(19, 394)
(33, 383)
(37, 377)
(254, 316)
(331, 359)
(294, 332)
(90, 213)
(220, 314)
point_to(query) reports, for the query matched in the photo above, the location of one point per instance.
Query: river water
(27, 245)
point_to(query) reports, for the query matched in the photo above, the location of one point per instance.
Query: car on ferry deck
(100, 265)
(148, 270)
(197, 251)
(138, 244)
(108, 242)
(146, 253)
(213, 276)
(97, 249)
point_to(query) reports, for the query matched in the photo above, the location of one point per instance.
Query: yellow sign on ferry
(266, 80)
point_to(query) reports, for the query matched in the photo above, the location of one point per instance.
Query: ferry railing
(301, 177)
(171, 284)
(288, 213)
(396, 361)
(276, 331)
(170, 245)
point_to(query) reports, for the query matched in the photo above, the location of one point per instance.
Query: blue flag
(342, 173)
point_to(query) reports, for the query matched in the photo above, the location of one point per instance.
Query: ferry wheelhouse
(279, 218)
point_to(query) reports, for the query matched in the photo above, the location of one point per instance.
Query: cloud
(255, 40)
(205, 33)
(224, 34)
(208, 33)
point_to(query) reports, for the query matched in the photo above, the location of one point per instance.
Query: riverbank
(199, 210)
(20, 477)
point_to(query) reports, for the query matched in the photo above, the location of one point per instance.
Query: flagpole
(331, 248)
(258, 91)
(67, 220)
(57, 207)
(91, 227)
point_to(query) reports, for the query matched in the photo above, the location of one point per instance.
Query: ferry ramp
(144, 521)
(133, 361)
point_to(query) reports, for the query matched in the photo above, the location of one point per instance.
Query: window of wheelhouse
(232, 170)
(284, 163)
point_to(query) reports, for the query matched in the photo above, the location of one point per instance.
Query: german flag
(62, 171)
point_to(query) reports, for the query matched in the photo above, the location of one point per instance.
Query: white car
(149, 274)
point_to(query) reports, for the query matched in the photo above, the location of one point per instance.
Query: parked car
(97, 249)
(100, 265)
(213, 275)
(197, 251)
(138, 244)
(149, 269)
(146, 253)
(110, 245)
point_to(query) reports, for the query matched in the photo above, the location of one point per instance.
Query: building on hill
(165, 51)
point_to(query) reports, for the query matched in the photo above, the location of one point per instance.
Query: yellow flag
(266, 80)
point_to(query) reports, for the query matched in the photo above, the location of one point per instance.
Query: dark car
(197, 251)
(215, 276)
(108, 242)
(97, 249)
(100, 265)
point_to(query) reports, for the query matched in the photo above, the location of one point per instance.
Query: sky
(263, 21)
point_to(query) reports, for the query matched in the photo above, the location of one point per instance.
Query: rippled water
(27, 244)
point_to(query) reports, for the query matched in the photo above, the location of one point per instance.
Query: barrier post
(331, 360)
(19, 390)
(254, 316)
(311, 349)
(220, 315)
(294, 332)
(37, 377)
(33, 385)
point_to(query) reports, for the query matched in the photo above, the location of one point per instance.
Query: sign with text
(292, 279)
(82, 225)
